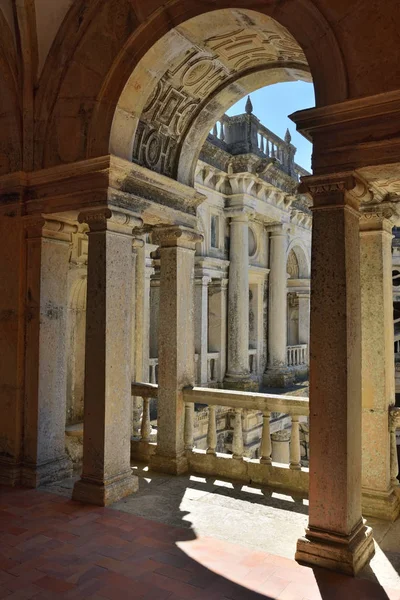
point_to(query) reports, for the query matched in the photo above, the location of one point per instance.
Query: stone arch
(87, 83)
(76, 346)
(298, 250)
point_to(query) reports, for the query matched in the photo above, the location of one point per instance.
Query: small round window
(252, 243)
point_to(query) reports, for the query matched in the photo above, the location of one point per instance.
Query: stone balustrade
(263, 470)
(297, 355)
(212, 368)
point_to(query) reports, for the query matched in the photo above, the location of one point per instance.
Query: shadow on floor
(160, 545)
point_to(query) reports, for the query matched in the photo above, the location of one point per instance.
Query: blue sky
(273, 104)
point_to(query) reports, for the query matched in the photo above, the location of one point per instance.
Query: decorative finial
(288, 137)
(249, 106)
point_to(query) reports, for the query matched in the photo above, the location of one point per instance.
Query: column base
(346, 554)
(173, 465)
(33, 475)
(10, 472)
(104, 493)
(245, 383)
(382, 505)
(278, 378)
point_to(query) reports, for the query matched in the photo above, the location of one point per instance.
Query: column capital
(202, 280)
(278, 229)
(113, 219)
(39, 226)
(379, 216)
(169, 236)
(238, 214)
(336, 190)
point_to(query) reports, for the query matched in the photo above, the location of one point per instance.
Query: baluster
(262, 143)
(136, 416)
(222, 131)
(295, 444)
(394, 465)
(272, 150)
(189, 426)
(212, 430)
(237, 442)
(146, 425)
(266, 447)
(267, 147)
(215, 131)
(297, 357)
(209, 370)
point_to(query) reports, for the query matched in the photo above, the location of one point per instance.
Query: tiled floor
(51, 547)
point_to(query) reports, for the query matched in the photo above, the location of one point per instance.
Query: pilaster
(201, 327)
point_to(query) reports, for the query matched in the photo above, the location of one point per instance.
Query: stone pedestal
(379, 498)
(336, 537)
(106, 475)
(176, 343)
(48, 248)
(201, 328)
(277, 373)
(280, 442)
(238, 374)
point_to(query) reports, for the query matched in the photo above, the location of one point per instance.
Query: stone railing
(212, 368)
(142, 447)
(291, 476)
(297, 355)
(253, 361)
(273, 146)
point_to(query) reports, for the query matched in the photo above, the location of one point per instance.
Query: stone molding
(336, 190)
(171, 236)
(379, 216)
(47, 228)
(279, 229)
(107, 219)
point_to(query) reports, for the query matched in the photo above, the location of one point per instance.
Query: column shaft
(106, 475)
(217, 323)
(304, 319)
(336, 537)
(238, 374)
(379, 498)
(176, 343)
(277, 374)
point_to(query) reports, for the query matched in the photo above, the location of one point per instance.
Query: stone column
(201, 327)
(304, 319)
(378, 394)
(336, 537)
(238, 374)
(106, 475)
(176, 343)
(217, 323)
(47, 262)
(277, 374)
